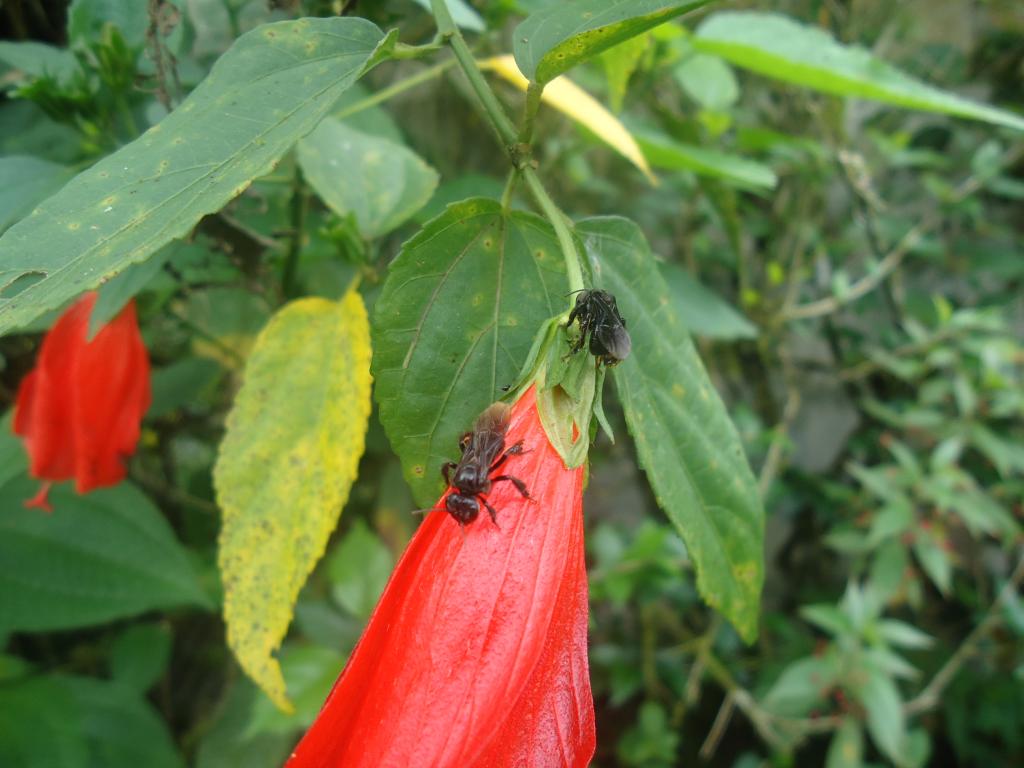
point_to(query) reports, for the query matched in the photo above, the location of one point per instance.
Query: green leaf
(881, 699)
(140, 655)
(703, 311)
(39, 60)
(122, 729)
(827, 617)
(310, 672)
(24, 181)
(685, 440)
(663, 152)
(230, 743)
(934, 560)
(86, 19)
(285, 467)
(707, 80)
(41, 725)
(13, 458)
(119, 290)
(454, 323)
(557, 38)
(463, 14)
(379, 182)
(620, 63)
(359, 568)
(802, 686)
(847, 747)
(103, 556)
(272, 87)
(779, 47)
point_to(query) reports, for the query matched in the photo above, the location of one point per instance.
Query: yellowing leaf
(567, 97)
(285, 468)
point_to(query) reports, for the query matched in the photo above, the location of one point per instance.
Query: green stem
(533, 94)
(448, 31)
(559, 221)
(393, 90)
(510, 188)
(509, 137)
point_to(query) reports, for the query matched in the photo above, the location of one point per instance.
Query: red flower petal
(476, 654)
(79, 410)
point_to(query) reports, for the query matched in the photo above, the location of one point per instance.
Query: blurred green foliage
(851, 271)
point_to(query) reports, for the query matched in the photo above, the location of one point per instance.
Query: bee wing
(489, 433)
(616, 341)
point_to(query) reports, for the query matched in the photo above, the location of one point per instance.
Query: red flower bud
(80, 408)
(476, 654)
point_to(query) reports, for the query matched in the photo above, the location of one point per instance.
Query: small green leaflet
(777, 46)
(685, 441)
(560, 36)
(455, 323)
(272, 87)
(379, 182)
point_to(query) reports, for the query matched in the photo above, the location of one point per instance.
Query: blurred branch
(396, 88)
(508, 137)
(895, 257)
(929, 697)
(773, 458)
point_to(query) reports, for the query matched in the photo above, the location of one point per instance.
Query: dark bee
(600, 320)
(483, 452)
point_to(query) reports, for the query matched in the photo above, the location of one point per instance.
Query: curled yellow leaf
(289, 457)
(568, 98)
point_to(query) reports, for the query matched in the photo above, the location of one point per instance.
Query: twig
(894, 258)
(707, 749)
(929, 697)
(396, 88)
(773, 458)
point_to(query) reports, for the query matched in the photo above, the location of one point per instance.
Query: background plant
(849, 270)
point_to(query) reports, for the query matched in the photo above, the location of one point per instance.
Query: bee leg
(446, 470)
(519, 484)
(515, 450)
(491, 511)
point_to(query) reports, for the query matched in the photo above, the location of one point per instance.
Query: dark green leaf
(663, 152)
(560, 36)
(13, 458)
(359, 568)
(139, 656)
(38, 60)
(779, 47)
(24, 181)
(41, 726)
(181, 384)
(230, 743)
(273, 86)
(309, 672)
(121, 288)
(703, 311)
(454, 323)
(685, 440)
(122, 728)
(86, 19)
(75, 722)
(97, 557)
(379, 182)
